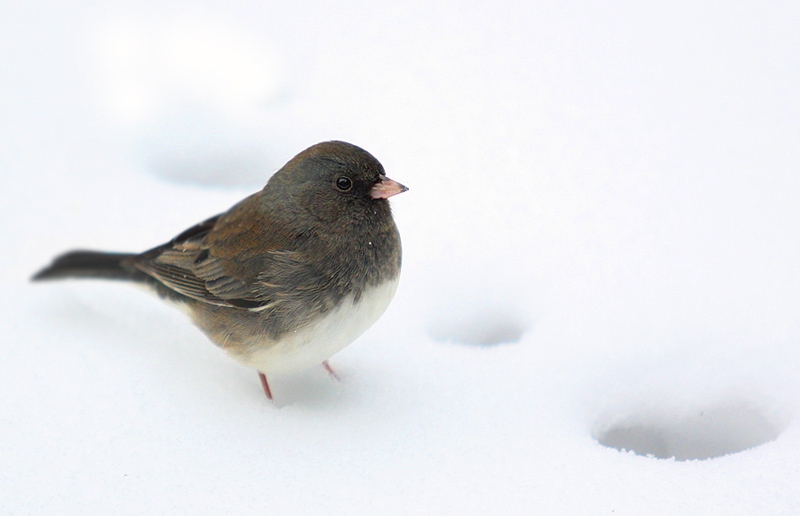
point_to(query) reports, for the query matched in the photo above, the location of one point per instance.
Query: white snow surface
(601, 253)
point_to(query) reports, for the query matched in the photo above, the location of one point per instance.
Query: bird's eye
(344, 183)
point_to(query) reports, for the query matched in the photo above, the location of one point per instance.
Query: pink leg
(265, 385)
(331, 372)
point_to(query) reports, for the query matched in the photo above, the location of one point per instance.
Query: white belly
(318, 341)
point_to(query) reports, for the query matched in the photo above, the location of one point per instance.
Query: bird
(285, 278)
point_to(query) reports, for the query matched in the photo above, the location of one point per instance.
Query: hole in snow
(710, 433)
(479, 328)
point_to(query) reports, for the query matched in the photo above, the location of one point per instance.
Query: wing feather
(191, 266)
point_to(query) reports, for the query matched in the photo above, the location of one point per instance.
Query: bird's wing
(224, 261)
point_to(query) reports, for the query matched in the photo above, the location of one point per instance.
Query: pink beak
(386, 188)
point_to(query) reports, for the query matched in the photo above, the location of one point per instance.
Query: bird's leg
(265, 385)
(331, 372)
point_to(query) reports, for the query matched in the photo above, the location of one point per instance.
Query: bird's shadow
(175, 343)
(313, 388)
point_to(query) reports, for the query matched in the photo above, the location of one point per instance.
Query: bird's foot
(330, 370)
(265, 385)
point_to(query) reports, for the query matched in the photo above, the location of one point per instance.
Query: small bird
(287, 277)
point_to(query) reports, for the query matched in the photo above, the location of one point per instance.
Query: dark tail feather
(90, 264)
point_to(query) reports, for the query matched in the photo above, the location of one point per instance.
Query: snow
(601, 242)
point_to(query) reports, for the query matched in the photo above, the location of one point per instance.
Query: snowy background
(602, 252)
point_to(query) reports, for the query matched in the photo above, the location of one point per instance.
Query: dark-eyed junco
(287, 277)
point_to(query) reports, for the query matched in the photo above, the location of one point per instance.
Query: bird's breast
(321, 338)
